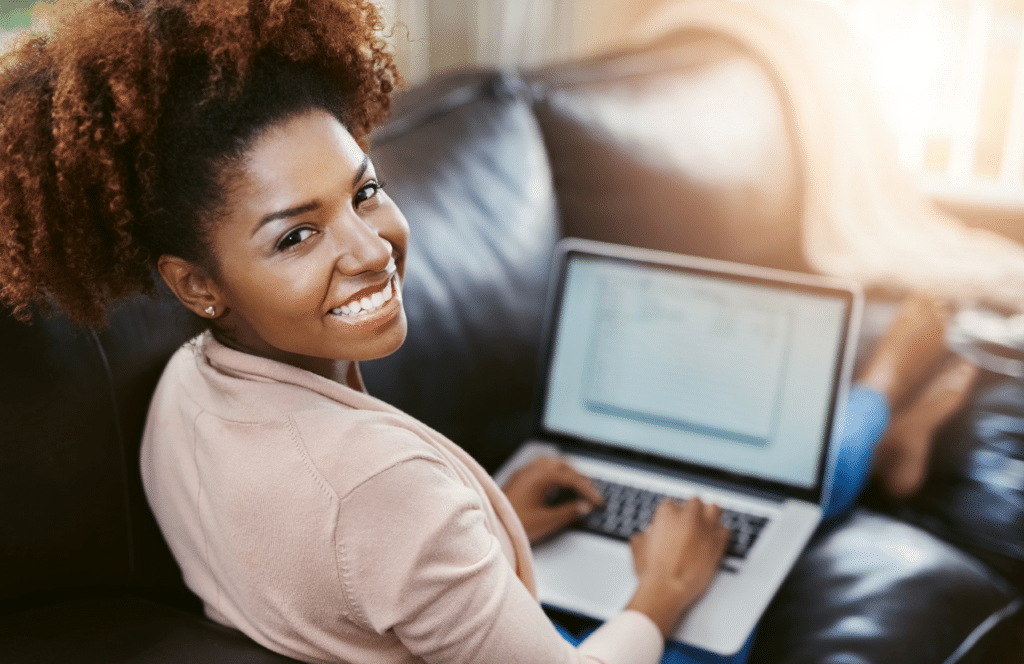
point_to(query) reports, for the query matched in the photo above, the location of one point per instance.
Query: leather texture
(478, 162)
(873, 589)
(683, 147)
(62, 478)
(974, 496)
(74, 402)
(137, 342)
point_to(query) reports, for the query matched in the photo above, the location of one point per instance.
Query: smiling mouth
(370, 302)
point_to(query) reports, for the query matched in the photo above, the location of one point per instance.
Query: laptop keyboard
(627, 510)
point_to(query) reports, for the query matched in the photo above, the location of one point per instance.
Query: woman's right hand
(676, 558)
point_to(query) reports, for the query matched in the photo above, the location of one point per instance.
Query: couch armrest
(870, 588)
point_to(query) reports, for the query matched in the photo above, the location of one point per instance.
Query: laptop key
(627, 510)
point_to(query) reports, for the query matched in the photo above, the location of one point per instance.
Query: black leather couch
(491, 169)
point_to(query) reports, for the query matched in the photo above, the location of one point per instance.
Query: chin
(387, 340)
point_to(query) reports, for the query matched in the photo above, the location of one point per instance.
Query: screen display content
(702, 368)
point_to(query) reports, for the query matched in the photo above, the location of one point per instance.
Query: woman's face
(311, 254)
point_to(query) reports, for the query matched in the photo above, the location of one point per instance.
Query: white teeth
(367, 304)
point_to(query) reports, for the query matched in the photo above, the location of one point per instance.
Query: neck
(345, 372)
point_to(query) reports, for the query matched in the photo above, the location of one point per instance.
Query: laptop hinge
(738, 486)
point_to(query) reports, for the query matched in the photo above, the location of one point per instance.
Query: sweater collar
(246, 365)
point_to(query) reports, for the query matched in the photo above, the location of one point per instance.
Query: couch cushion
(141, 335)
(974, 495)
(682, 146)
(62, 477)
(74, 402)
(465, 161)
(873, 589)
(127, 630)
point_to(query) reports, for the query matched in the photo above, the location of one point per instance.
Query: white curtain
(439, 35)
(523, 33)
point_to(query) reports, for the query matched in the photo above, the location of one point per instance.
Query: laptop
(672, 376)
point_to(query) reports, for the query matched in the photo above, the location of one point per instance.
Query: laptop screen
(728, 372)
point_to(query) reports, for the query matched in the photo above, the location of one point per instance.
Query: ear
(193, 286)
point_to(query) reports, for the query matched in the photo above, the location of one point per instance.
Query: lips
(370, 299)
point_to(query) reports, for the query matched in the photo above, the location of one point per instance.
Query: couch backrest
(683, 145)
(73, 403)
(61, 476)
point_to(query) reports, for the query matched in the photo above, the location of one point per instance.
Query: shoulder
(234, 401)
(411, 538)
(350, 446)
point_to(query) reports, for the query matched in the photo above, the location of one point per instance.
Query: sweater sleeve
(417, 559)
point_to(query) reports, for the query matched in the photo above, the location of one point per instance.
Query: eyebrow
(308, 207)
(362, 170)
(285, 214)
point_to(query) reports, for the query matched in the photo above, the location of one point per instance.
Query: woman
(221, 142)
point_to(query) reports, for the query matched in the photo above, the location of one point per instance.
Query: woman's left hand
(530, 489)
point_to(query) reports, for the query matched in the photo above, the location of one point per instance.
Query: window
(950, 74)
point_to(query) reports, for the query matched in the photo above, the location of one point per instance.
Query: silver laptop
(668, 375)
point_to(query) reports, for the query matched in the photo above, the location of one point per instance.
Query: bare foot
(911, 346)
(902, 457)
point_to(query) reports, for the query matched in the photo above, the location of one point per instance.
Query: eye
(294, 237)
(368, 192)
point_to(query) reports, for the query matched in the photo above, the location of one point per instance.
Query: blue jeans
(863, 424)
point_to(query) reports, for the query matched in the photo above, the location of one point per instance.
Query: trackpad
(586, 574)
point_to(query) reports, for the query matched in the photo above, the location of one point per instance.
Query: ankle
(881, 377)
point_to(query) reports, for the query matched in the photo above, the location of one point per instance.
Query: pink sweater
(331, 527)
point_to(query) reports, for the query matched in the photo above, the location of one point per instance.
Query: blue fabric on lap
(677, 653)
(864, 422)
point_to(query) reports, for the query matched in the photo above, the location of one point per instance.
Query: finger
(719, 537)
(719, 531)
(668, 508)
(637, 545)
(723, 535)
(637, 542)
(580, 483)
(712, 512)
(672, 504)
(719, 543)
(691, 509)
(558, 517)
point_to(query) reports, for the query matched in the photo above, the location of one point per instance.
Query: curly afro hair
(118, 125)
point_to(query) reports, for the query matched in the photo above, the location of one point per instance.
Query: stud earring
(211, 311)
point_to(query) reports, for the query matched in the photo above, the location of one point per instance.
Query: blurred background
(949, 73)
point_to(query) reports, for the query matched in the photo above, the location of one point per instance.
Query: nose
(360, 247)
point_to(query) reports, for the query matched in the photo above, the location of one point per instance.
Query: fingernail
(584, 508)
